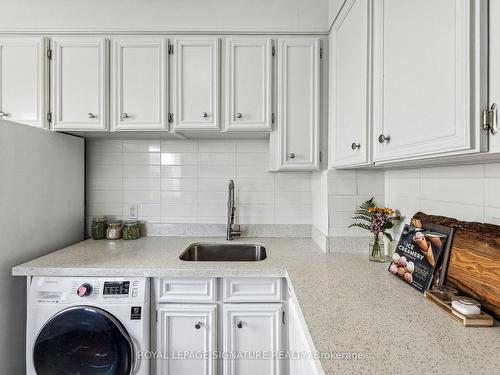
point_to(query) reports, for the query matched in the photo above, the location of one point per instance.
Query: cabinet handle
(292, 155)
(239, 115)
(91, 115)
(382, 138)
(124, 115)
(205, 114)
(355, 146)
(3, 114)
(240, 324)
(197, 325)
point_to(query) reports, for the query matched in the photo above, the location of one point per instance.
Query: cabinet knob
(239, 115)
(91, 115)
(124, 115)
(382, 138)
(240, 324)
(197, 325)
(355, 146)
(205, 114)
(3, 114)
(291, 155)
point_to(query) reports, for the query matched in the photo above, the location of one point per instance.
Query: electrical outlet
(132, 211)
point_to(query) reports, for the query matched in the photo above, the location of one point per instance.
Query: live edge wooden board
(474, 266)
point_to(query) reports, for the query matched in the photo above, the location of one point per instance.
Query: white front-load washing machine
(87, 326)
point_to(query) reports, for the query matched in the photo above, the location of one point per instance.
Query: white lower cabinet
(252, 332)
(201, 337)
(186, 338)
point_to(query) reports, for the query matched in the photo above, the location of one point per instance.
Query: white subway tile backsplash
(464, 190)
(178, 171)
(104, 183)
(293, 184)
(141, 197)
(342, 186)
(293, 197)
(105, 171)
(221, 171)
(246, 171)
(177, 197)
(141, 146)
(179, 158)
(141, 171)
(220, 158)
(141, 183)
(105, 158)
(104, 145)
(186, 181)
(179, 146)
(253, 158)
(212, 197)
(459, 171)
(212, 146)
(492, 191)
(371, 186)
(342, 203)
(186, 184)
(252, 145)
(141, 158)
(254, 184)
(492, 215)
(492, 170)
(255, 197)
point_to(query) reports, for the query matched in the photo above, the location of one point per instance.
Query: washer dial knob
(84, 290)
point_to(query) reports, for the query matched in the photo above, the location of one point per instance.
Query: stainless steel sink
(215, 252)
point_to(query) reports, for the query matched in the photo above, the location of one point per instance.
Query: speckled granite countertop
(350, 305)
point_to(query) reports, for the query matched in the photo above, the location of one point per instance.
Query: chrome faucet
(231, 208)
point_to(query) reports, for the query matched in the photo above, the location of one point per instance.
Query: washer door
(83, 340)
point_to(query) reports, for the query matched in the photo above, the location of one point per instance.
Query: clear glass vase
(376, 248)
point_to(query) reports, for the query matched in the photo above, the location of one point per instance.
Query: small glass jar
(131, 230)
(114, 230)
(98, 230)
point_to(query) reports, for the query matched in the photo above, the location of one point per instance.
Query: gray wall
(41, 210)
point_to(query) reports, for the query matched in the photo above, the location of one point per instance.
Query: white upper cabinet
(494, 70)
(23, 80)
(79, 84)
(295, 143)
(350, 84)
(248, 84)
(252, 328)
(140, 84)
(186, 329)
(428, 86)
(196, 84)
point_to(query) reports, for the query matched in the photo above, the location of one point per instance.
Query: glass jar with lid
(114, 230)
(131, 230)
(98, 229)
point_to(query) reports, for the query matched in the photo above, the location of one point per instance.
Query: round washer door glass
(83, 340)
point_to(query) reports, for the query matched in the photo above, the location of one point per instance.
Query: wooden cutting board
(474, 266)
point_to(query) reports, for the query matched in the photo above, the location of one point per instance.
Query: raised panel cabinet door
(248, 84)
(494, 68)
(140, 84)
(196, 84)
(190, 330)
(23, 80)
(350, 84)
(251, 334)
(298, 103)
(428, 78)
(79, 84)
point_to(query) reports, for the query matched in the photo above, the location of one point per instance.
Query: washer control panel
(116, 288)
(112, 290)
